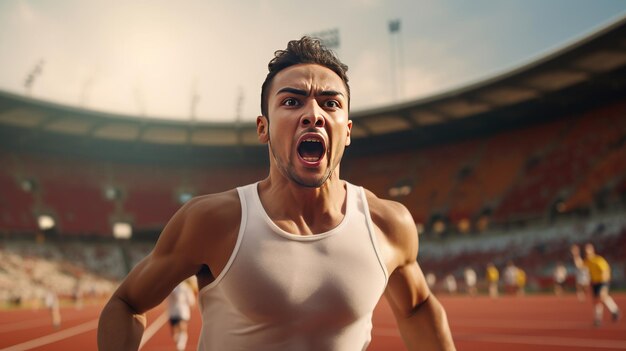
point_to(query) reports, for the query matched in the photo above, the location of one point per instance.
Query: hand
(575, 250)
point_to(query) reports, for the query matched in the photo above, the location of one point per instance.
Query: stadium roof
(590, 69)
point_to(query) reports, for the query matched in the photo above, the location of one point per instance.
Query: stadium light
(184, 197)
(398, 191)
(111, 193)
(28, 185)
(122, 230)
(45, 222)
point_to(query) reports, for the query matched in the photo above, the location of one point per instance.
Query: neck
(303, 210)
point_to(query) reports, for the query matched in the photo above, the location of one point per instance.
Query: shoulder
(203, 218)
(602, 260)
(395, 223)
(212, 208)
(388, 213)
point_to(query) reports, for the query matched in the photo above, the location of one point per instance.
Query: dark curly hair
(305, 50)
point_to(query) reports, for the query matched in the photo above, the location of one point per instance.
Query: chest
(335, 280)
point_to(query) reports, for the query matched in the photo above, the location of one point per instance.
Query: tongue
(310, 152)
(310, 156)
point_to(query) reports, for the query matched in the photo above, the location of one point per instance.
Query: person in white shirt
(510, 278)
(470, 280)
(560, 275)
(180, 301)
(51, 300)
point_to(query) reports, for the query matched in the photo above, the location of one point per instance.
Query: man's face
(309, 128)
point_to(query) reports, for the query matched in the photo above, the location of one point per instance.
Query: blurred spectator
(51, 300)
(520, 281)
(582, 282)
(470, 280)
(431, 280)
(559, 274)
(180, 301)
(510, 278)
(450, 282)
(493, 278)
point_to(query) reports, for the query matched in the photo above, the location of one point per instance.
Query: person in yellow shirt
(600, 278)
(521, 282)
(493, 276)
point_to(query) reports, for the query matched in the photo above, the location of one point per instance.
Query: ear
(263, 129)
(348, 140)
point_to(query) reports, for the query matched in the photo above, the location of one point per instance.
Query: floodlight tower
(139, 98)
(239, 113)
(397, 71)
(32, 76)
(193, 101)
(329, 37)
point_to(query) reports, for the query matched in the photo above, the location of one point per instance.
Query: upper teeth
(312, 140)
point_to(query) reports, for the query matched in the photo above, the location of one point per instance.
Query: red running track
(543, 322)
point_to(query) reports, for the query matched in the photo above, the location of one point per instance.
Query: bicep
(151, 281)
(178, 254)
(407, 289)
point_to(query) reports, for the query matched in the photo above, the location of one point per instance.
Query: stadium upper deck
(582, 75)
(544, 139)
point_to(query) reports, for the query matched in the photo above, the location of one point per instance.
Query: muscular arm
(123, 320)
(181, 250)
(421, 318)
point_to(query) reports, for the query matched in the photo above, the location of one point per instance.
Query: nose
(313, 117)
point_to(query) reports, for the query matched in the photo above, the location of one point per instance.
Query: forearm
(119, 328)
(427, 327)
(578, 262)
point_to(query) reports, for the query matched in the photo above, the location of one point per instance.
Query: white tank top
(280, 291)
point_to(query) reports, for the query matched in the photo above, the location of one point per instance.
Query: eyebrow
(305, 93)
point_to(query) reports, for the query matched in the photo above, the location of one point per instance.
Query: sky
(205, 60)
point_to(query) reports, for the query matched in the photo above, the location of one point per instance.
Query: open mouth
(311, 149)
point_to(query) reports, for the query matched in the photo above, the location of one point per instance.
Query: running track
(546, 323)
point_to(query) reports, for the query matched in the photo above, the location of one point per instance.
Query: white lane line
(544, 340)
(27, 324)
(50, 338)
(152, 328)
(521, 339)
(520, 324)
(32, 323)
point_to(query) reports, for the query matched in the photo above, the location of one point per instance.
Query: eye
(290, 102)
(332, 104)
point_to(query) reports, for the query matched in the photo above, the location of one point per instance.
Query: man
(582, 283)
(470, 281)
(493, 278)
(510, 278)
(51, 300)
(180, 301)
(600, 277)
(560, 275)
(299, 260)
(520, 282)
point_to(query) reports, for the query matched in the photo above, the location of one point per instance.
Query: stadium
(515, 168)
